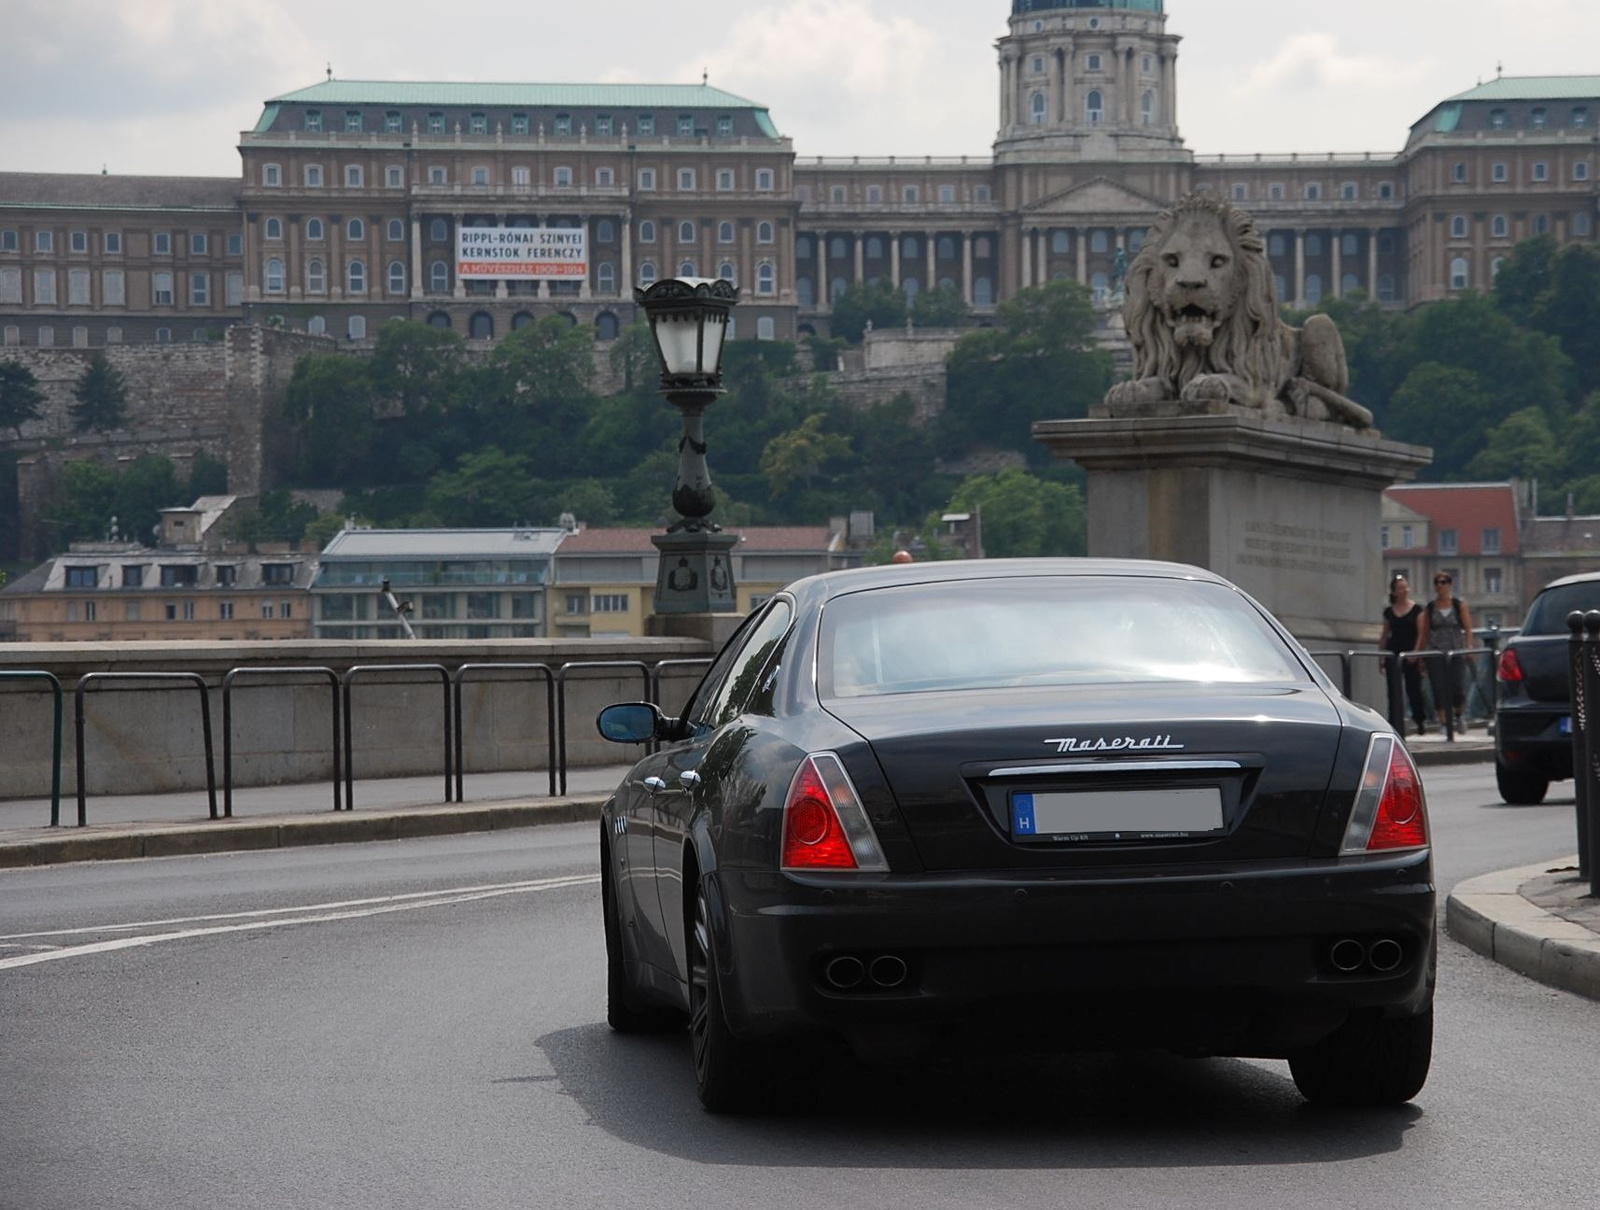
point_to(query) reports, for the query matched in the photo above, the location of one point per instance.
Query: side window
(707, 704)
(740, 684)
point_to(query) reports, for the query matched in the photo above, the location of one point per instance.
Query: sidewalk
(1539, 920)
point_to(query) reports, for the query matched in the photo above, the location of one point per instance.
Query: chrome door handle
(689, 778)
(654, 783)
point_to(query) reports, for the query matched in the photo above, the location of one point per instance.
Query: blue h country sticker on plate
(1023, 820)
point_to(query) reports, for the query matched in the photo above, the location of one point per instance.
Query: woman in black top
(1401, 633)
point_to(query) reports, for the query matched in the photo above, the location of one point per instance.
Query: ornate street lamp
(689, 322)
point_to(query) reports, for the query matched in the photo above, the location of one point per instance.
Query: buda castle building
(352, 197)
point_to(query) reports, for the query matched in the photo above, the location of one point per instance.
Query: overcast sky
(164, 86)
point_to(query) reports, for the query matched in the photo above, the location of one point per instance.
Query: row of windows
(114, 288)
(1094, 61)
(1094, 108)
(275, 279)
(1500, 225)
(173, 575)
(982, 288)
(910, 195)
(1312, 191)
(44, 240)
(912, 247)
(481, 175)
(1449, 540)
(1540, 118)
(1348, 285)
(437, 122)
(172, 611)
(46, 336)
(1500, 172)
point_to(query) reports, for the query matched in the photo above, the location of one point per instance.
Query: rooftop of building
(523, 542)
(108, 560)
(1466, 508)
(1021, 8)
(1533, 88)
(753, 539)
(103, 191)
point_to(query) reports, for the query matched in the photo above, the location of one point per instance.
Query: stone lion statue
(1202, 315)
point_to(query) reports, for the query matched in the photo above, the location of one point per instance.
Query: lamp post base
(696, 573)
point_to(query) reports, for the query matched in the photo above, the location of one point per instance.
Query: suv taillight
(825, 826)
(1390, 811)
(1510, 670)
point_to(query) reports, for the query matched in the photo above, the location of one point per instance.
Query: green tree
(329, 401)
(20, 396)
(83, 504)
(1023, 515)
(1521, 445)
(145, 487)
(101, 397)
(795, 459)
(942, 307)
(1570, 311)
(320, 532)
(1040, 362)
(418, 365)
(877, 302)
(208, 476)
(487, 488)
(1446, 407)
(1523, 283)
(590, 501)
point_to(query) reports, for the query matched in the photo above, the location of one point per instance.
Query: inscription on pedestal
(1324, 552)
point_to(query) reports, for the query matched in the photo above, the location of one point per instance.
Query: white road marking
(350, 910)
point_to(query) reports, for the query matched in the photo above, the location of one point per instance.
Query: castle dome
(1022, 7)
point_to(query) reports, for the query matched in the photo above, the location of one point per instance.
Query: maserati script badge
(1125, 743)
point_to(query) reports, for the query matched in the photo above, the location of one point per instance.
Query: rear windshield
(982, 634)
(1551, 607)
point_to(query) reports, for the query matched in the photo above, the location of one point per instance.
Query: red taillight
(1402, 819)
(813, 837)
(1510, 670)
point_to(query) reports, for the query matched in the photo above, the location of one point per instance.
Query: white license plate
(1116, 814)
(1564, 724)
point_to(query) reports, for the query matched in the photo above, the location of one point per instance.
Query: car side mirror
(631, 723)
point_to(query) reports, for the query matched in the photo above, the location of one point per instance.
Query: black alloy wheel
(1520, 787)
(624, 1013)
(1369, 1060)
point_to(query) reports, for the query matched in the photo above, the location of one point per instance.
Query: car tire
(624, 1013)
(1369, 1060)
(733, 1075)
(1520, 787)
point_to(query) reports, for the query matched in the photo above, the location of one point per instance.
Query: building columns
(932, 259)
(966, 267)
(416, 256)
(1081, 238)
(824, 297)
(861, 256)
(1337, 262)
(460, 290)
(1300, 268)
(1027, 258)
(1372, 263)
(626, 284)
(1044, 256)
(894, 259)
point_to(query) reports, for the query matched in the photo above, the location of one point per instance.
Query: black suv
(1533, 717)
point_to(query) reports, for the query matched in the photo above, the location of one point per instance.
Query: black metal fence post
(1578, 687)
(193, 678)
(359, 670)
(54, 682)
(638, 666)
(227, 725)
(542, 672)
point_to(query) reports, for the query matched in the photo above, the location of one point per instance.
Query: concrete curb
(121, 842)
(1489, 915)
(1465, 753)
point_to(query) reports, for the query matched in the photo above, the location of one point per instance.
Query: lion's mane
(1247, 343)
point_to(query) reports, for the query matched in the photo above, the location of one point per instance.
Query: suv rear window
(1046, 630)
(1551, 607)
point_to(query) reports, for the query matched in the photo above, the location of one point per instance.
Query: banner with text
(512, 252)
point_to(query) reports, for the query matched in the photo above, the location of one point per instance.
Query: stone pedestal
(1287, 509)
(695, 594)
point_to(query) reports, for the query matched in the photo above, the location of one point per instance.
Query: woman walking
(1447, 627)
(1402, 632)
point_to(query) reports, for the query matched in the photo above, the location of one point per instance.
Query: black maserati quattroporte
(1054, 804)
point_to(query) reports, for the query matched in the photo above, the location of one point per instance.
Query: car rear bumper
(1529, 736)
(1233, 962)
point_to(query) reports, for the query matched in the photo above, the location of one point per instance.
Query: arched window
(725, 272)
(766, 278)
(274, 228)
(724, 233)
(1313, 245)
(356, 327)
(1147, 108)
(874, 248)
(766, 328)
(520, 320)
(317, 325)
(1281, 284)
(805, 292)
(439, 319)
(1501, 227)
(983, 292)
(763, 233)
(314, 228)
(1582, 224)
(802, 247)
(1098, 242)
(1460, 274)
(397, 230)
(1313, 192)
(647, 272)
(1275, 245)
(438, 277)
(688, 269)
(983, 249)
(606, 278)
(1351, 245)
(910, 247)
(947, 248)
(647, 232)
(838, 249)
(1458, 227)
(1095, 107)
(605, 326)
(912, 288)
(355, 229)
(1037, 108)
(1348, 284)
(316, 277)
(438, 231)
(1060, 243)
(686, 232)
(356, 278)
(1100, 285)
(397, 277)
(274, 276)
(605, 232)
(1313, 288)
(838, 289)
(481, 326)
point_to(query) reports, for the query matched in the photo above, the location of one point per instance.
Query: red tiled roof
(1467, 508)
(608, 541)
(756, 538)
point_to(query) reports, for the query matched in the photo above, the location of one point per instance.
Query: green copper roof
(1534, 88)
(616, 96)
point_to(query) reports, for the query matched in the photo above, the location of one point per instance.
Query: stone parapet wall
(147, 739)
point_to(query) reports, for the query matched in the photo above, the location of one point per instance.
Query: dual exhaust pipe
(847, 973)
(1382, 955)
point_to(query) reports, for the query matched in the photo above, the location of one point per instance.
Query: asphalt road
(419, 1024)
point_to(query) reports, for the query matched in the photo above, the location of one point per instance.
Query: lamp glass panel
(678, 336)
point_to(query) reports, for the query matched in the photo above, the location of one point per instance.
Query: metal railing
(55, 757)
(1456, 664)
(638, 666)
(227, 724)
(1584, 668)
(355, 672)
(1345, 682)
(192, 678)
(541, 671)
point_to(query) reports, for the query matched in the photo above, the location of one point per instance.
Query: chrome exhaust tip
(844, 973)
(1385, 955)
(888, 971)
(1347, 955)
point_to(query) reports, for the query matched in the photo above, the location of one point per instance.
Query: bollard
(1586, 777)
(1577, 694)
